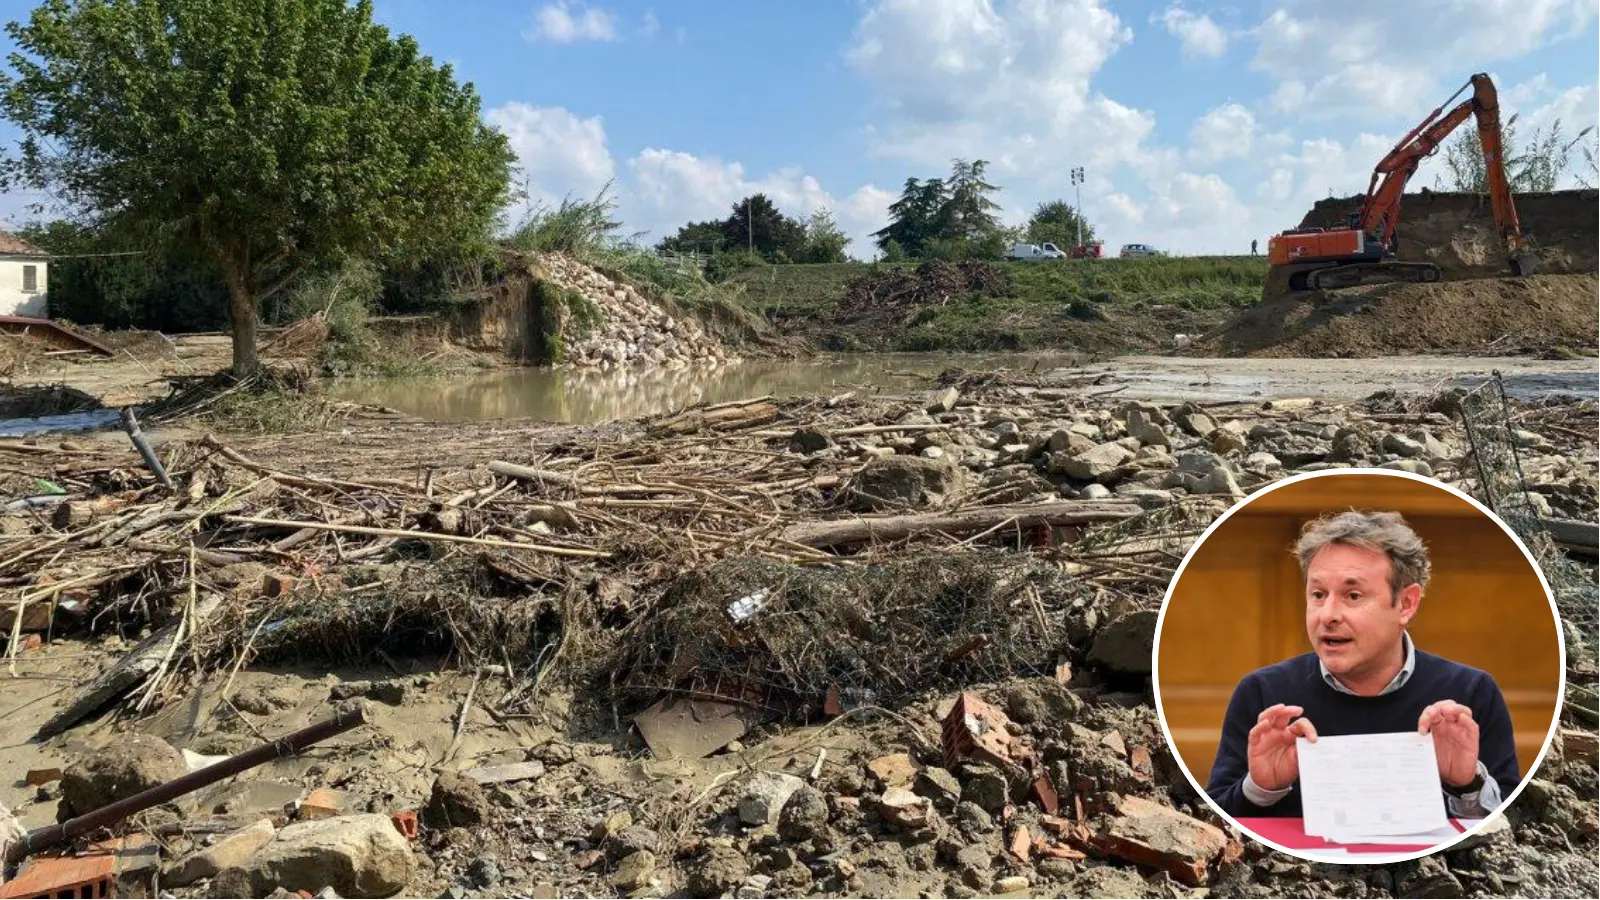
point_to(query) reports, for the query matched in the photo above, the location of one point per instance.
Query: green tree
(1536, 165)
(1056, 222)
(914, 219)
(695, 237)
(757, 223)
(824, 241)
(969, 214)
(262, 135)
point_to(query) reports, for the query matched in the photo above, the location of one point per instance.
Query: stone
(1433, 449)
(1108, 881)
(1226, 440)
(1414, 466)
(1010, 884)
(634, 871)
(1498, 828)
(939, 786)
(484, 872)
(902, 481)
(1100, 464)
(945, 402)
(1125, 644)
(804, 816)
(1220, 481)
(1198, 463)
(974, 863)
(456, 801)
(1041, 700)
(1142, 428)
(719, 870)
(1094, 491)
(119, 770)
(1193, 421)
(903, 809)
(1014, 484)
(973, 819)
(894, 769)
(1007, 432)
(932, 453)
(629, 840)
(765, 796)
(1262, 461)
(232, 850)
(357, 856)
(1146, 833)
(809, 440)
(391, 692)
(753, 887)
(1350, 445)
(1401, 445)
(1430, 878)
(985, 787)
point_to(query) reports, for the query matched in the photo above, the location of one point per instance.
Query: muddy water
(585, 397)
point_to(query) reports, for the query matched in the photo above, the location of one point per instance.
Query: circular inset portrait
(1358, 665)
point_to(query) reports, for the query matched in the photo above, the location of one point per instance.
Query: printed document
(1373, 788)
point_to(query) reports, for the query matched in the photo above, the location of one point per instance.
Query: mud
(1546, 315)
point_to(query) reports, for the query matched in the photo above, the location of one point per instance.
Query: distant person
(1252, 248)
(1364, 574)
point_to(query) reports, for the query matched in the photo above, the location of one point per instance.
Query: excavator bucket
(1524, 263)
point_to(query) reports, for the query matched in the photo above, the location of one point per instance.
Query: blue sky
(1201, 125)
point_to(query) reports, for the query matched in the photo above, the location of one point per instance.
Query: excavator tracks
(1358, 274)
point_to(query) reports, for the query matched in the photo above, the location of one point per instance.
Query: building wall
(14, 301)
(1240, 606)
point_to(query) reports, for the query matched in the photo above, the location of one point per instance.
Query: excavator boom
(1364, 251)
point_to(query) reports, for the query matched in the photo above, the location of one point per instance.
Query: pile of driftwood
(936, 282)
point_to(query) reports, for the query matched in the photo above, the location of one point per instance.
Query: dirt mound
(1456, 232)
(1500, 316)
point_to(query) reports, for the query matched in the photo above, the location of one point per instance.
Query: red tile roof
(11, 245)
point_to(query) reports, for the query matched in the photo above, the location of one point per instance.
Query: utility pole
(1077, 186)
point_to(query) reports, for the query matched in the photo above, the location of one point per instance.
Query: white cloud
(559, 153)
(650, 26)
(563, 22)
(1197, 34)
(1008, 80)
(1363, 58)
(1225, 132)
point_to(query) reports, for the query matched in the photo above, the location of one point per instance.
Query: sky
(1200, 125)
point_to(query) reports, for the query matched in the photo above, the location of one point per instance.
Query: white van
(1035, 251)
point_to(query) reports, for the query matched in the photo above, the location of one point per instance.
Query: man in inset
(1365, 573)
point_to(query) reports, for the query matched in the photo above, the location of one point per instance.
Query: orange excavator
(1363, 252)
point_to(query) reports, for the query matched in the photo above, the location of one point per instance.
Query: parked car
(1139, 251)
(1035, 251)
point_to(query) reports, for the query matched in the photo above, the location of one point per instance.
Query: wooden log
(528, 473)
(1576, 538)
(696, 420)
(843, 532)
(132, 669)
(579, 552)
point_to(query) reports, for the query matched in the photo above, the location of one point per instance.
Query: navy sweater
(1298, 682)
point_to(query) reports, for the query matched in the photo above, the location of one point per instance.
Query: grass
(1106, 304)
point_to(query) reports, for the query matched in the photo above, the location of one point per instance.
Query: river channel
(588, 396)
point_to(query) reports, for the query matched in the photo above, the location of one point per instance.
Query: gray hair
(1380, 532)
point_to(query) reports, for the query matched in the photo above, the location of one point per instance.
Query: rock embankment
(618, 325)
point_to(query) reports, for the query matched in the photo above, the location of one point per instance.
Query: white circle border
(1360, 858)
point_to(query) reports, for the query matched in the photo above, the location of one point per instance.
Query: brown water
(591, 396)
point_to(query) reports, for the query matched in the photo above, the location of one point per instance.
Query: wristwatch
(1468, 789)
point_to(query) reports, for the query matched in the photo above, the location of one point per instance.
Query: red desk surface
(1290, 833)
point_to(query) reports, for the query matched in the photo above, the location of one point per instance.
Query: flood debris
(686, 656)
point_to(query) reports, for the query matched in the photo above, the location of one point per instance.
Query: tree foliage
(1057, 222)
(756, 226)
(824, 240)
(1533, 166)
(945, 218)
(265, 136)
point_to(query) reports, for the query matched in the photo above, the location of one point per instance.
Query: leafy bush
(579, 228)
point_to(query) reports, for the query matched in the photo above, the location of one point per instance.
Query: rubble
(118, 771)
(231, 851)
(970, 654)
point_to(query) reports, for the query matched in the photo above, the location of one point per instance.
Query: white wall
(16, 302)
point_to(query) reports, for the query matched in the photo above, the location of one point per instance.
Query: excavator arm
(1380, 214)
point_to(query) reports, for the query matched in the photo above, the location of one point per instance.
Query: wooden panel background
(1240, 606)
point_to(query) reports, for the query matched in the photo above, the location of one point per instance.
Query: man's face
(1352, 616)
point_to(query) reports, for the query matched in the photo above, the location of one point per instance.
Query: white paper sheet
(1372, 788)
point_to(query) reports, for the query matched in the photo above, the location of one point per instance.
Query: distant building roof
(11, 245)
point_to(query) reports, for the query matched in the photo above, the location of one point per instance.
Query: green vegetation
(1057, 222)
(1105, 304)
(263, 138)
(1536, 164)
(757, 229)
(945, 218)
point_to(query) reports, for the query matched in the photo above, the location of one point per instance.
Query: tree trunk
(242, 313)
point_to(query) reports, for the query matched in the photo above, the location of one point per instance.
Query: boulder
(357, 856)
(456, 800)
(1401, 445)
(718, 871)
(804, 816)
(1414, 466)
(1100, 464)
(634, 871)
(1226, 440)
(809, 440)
(117, 771)
(765, 796)
(1142, 427)
(1125, 643)
(898, 482)
(233, 850)
(1193, 421)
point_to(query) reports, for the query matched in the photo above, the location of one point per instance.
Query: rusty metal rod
(51, 835)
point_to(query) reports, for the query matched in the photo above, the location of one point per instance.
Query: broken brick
(1149, 834)
(1114, 741)
(321, 803)
(1139, 759)
(976, 729)
(1021, 845)
(277, 584)
(900, 807)
(405, 822)
(38, 777)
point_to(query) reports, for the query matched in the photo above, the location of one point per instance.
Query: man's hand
(1455, 740)
(1274, 762)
